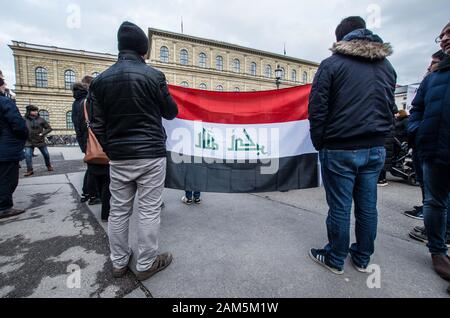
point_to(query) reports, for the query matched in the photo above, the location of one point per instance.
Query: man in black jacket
(351, 109)
(129, 101)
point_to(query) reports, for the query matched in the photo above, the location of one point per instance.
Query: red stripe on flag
(266, 107)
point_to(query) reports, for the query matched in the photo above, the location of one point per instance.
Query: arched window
(294, 75)
(236, 66)
(219, 88)
(237, 89)
(69, 79)
(268, 71)
(283, 73)
(305, 77)
(164, 54)
(185, 84)
(253, 69)
(219, 63)
(44, 115)
(203, 86)
(69, 123)
(95, 74)
(202, 60)
(184, 57)
(41, 77)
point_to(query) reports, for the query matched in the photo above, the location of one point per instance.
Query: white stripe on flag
(238, 142)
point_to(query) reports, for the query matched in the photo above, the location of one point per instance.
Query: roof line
(31, 46)
(228, 46)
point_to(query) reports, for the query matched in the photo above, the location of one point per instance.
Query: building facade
(45, 75)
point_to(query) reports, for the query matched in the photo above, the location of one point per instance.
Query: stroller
(403, 165)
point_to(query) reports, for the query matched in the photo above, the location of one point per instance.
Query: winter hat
(348, 25)
(131, 37)
(32, 108)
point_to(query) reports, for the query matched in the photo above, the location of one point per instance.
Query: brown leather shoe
(161, 263)
(50, 169)
(121, 272)
(10, 213)
(29, 173)
(441, 265)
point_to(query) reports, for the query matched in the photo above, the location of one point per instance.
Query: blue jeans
(190, 193)
(29, 156)
(348, 176)
(437, 195)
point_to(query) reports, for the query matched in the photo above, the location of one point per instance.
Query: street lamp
(278, 76)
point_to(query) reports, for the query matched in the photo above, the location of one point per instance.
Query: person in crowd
(401, 126)
(13, 135)
(430, 126)
(192, 197)
(351, 111)
(129, 101)
(38, 128)
(98, 180)
(80, 90)
(7, 92)
(417, 212)
(435, 60)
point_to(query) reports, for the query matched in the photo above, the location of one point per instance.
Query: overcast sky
(307, 27)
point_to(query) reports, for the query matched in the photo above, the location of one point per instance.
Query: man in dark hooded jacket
(13, 134)
(429, 125)
(351, 110)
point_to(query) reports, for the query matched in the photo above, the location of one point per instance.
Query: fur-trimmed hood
(362, 48)
(363, 43)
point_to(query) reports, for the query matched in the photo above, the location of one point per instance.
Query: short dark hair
(439, 55)
(1, 74)
(348, 25)
(87, 80)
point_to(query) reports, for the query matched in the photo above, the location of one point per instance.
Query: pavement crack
(286, 204)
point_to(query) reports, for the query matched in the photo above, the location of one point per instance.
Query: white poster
(412, 91)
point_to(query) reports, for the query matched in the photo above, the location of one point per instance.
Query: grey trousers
(146, 178)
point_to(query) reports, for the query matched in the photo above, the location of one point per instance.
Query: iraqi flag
(241, 142)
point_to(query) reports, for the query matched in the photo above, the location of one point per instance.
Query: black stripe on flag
(300, 172)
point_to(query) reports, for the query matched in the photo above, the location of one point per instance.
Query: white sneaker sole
(413, 217)
(334, 271)
(359, 269)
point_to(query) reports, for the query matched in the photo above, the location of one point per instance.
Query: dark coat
(13, 131)
(401, 129)
(80, 94)
(430, 116)
(129, 101)
(352, 102)
(38, 128)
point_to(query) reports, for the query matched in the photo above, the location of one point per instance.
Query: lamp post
(278, 76)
